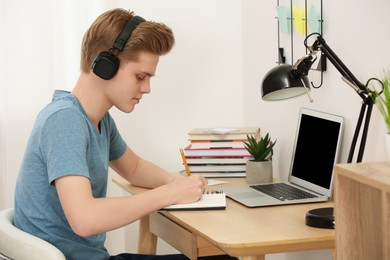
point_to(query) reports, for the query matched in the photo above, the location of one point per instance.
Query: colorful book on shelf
(220, 152)
(217, 168)
(218, 160)
(218, 144)
(238, 133)
(222, 174)
(209, 201)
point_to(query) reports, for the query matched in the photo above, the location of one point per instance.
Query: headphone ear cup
(105, 65)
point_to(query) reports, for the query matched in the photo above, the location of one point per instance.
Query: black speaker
(106, 64)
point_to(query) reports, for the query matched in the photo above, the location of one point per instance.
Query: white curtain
(2, 141)
(40, 46)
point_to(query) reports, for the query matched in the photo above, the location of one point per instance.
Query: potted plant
(259, 168)
(382, 102)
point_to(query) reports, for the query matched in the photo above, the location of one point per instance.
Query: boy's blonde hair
(148, 36)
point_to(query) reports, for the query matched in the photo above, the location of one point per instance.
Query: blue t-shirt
(64, 142)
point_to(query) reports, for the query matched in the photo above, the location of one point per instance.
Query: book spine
(230, 137)
(217, 144)
(222, 160)
(220, 152)
(218, 168)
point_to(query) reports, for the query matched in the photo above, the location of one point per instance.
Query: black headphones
(106, 64)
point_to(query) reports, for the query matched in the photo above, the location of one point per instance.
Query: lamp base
(320, 218)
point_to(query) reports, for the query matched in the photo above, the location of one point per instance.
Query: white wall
(211, 78)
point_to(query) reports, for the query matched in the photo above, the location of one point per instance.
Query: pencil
(185, 162)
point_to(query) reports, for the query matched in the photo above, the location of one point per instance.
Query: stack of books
(219, 152)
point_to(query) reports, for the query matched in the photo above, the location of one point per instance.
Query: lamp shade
(281, 83)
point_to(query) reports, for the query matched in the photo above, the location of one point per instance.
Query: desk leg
(147, 241)
(253, 257)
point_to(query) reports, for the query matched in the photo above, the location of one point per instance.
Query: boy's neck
(88, 92)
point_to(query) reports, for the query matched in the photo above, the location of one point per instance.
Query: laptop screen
(316, 149)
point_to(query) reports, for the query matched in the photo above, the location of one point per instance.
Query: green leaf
(382, 101)
(260, 150)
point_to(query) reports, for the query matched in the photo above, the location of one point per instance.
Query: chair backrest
(17, 244)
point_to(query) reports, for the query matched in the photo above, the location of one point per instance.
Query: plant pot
(258, 172)
(387, 145)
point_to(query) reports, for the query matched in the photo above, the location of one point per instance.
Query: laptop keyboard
(283, 191)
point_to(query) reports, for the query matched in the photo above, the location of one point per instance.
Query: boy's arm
(89, 216)
(140, 172)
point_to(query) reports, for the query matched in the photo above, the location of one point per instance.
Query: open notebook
(209, 201)
(315, 152)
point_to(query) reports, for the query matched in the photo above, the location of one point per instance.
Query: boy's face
(132, 81)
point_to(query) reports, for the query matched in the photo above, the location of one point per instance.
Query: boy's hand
(187, 189)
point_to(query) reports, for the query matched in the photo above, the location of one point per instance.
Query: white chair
(19, 245)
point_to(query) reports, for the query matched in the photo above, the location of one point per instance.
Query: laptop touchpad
(248, 195)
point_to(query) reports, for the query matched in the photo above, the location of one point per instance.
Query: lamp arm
(321, 44)
(361, 90)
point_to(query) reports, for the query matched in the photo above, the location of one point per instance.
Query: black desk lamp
(287, 81)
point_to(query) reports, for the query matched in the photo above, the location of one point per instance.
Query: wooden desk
(237, 231)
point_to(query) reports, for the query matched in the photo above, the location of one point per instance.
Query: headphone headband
(124, 36)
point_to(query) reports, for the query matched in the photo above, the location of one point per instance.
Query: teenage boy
(61, 188)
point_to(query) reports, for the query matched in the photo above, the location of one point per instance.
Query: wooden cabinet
(362, 211)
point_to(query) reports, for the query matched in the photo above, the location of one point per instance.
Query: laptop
(316, 147)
